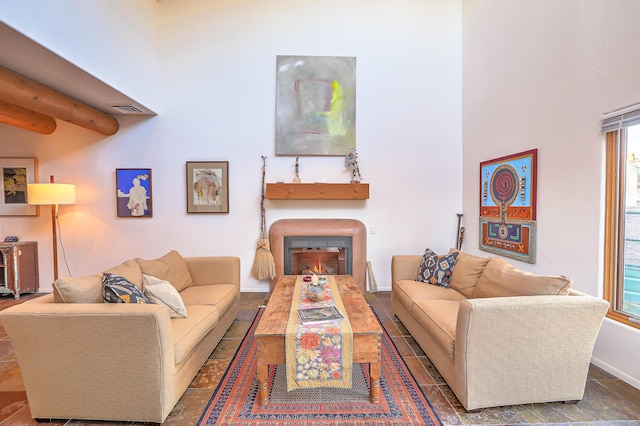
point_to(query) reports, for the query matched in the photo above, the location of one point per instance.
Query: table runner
(318, 355)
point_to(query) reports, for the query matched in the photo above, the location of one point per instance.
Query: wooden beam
(17, 116)
(22, 91)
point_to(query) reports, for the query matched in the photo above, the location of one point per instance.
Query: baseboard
(619, 374)
(260, 289)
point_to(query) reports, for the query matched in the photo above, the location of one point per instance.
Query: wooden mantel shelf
(317, 191)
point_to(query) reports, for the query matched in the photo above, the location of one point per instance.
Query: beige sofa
(499, 335)
(82, 358)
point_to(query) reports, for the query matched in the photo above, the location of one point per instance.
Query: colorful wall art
(508, 206)
(315, 105)
(133, 193)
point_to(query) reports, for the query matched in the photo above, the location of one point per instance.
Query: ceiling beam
(23, 118)
(19, 90)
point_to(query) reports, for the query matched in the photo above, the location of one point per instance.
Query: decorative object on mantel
(315, 105)
(508, 188)
(297, 178)
(351, 160)
(263, 264)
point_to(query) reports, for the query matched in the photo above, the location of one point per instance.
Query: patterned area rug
(402, 402)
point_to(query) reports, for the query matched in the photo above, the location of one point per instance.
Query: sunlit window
(622, 257)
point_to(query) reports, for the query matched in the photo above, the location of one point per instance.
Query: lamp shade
(51, 193)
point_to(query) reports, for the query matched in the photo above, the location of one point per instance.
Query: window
(622, 228)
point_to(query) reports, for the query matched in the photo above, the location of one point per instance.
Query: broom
(263, 264)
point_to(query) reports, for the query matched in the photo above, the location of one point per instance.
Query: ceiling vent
(127, 109)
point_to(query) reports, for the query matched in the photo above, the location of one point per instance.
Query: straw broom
(263, 264)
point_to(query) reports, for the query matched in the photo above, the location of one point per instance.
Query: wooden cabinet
(317, 191)
(19, 268)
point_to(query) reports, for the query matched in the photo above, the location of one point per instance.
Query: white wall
(209, 73)
(114, 40)
(540, 77)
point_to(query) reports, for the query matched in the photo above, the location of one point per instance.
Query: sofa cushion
(116, 289)
(88, 288)
(436, 269)
(467, 272)
(502, 279)
(84, 289)
(170, 267)
(221, 296)
(439, 318)
(408, 292)
(188, 332)
(161, 292)
(130, 270)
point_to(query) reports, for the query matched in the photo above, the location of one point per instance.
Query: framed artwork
(207, 187)
(508, 191)
(16, 174)
(315, 105)
(133, 193)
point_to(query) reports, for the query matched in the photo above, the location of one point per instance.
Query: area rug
(234, 403)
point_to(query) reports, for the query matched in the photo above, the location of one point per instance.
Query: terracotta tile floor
(607, 401)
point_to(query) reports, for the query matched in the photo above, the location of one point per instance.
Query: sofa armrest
(405, 267)
(535, 348)
(72, 355)
(211, 270)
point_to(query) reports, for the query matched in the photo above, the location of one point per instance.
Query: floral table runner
(319, 355)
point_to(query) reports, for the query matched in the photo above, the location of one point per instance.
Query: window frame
(614, 232)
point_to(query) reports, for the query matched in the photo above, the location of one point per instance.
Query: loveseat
(498, 335)
(81, 358)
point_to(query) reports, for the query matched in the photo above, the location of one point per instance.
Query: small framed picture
(16, 174)
(133, 193)
(207, 187)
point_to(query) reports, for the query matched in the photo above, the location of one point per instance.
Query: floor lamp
(52, 194)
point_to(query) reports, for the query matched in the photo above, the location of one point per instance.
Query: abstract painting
(208, 187)
(315, 105)
(508, 188)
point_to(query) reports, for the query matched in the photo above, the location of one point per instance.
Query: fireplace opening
(318, 254)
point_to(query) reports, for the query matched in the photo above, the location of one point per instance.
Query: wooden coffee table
(270, 333)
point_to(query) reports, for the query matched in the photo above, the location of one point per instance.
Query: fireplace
(330, 255)
(335, 246)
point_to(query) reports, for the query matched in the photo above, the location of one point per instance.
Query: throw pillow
(436, 269)
(170, 267)
(161, 292)
(116, 289)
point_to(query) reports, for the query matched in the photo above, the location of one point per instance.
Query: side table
(19, 268)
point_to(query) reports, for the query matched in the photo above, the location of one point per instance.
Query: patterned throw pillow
(116, 289)
(436, 269)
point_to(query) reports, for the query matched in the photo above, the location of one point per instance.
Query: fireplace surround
(321, 228)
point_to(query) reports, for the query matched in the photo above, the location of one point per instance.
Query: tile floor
(607, 401)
